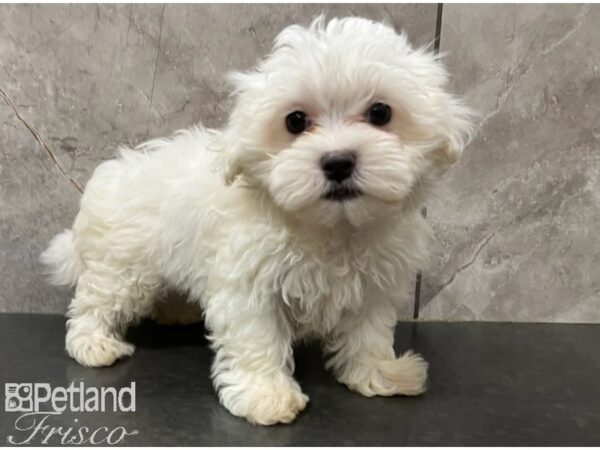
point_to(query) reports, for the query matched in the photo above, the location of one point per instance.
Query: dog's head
(344, 122)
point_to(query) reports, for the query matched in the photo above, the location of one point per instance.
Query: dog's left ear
(455, 131)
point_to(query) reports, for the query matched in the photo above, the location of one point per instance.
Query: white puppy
(301, 219)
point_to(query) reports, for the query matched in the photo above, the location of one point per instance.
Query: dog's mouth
(340, 193)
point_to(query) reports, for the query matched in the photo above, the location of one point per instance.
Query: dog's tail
(63, 267)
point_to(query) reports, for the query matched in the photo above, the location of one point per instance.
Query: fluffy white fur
(237, 219)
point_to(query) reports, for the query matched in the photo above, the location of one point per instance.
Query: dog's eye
(379, 114)
(296, 122)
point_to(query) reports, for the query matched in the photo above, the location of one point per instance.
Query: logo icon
(18, 397)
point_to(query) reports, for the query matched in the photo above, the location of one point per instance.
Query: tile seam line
(436, 48)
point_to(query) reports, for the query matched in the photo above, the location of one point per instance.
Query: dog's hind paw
(97, 351)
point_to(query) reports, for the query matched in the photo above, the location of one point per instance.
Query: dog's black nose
(338, 165)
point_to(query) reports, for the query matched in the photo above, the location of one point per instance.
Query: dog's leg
(253, 366)
(363, 356)
(105, 304)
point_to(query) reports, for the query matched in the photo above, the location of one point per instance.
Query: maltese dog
(299, 220)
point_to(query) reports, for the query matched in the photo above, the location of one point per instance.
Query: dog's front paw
(277, 405)
(406, 375)
(96, 350)
(265, 404)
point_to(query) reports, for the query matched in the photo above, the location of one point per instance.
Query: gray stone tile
(88, 77)
(517, 221)
(35, 198)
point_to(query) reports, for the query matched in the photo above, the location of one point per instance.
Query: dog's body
(246, 222)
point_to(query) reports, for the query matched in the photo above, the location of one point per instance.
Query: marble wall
(518, 221)
(515, 221)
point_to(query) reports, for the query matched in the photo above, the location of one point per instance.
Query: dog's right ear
(245, 82)
(247, 87)
(232, 169)
(229, 159)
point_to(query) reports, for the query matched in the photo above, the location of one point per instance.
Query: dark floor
(490, 384)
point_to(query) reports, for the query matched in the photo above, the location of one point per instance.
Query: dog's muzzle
(342, 192)
(338, 168)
